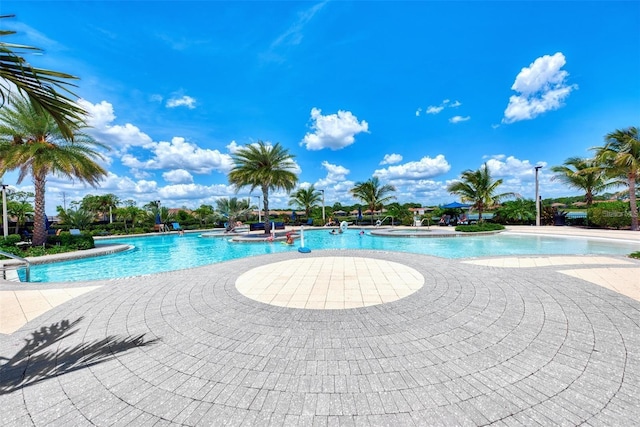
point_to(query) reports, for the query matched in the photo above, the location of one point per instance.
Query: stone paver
(329, 282)
(475, 345)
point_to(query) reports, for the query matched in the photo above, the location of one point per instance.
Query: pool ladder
(9, 271)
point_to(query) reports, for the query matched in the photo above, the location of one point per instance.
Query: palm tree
(42, 87)
(232, 209)
(478, 188)
(373, 194)
(306, 198)
(268, 167)
(19, 207)
(620, 158)
(100, 205)
(32, 142)
(129, 212)
(581, 174)
(204, 213)
(74, 218)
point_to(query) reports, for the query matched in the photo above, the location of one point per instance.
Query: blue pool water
(161, 253)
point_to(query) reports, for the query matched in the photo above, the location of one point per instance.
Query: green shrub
(10, 240)
(610, 215)
(65, 239)
(635, 255)
(475, 228)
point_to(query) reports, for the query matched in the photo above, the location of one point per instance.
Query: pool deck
(339, 337)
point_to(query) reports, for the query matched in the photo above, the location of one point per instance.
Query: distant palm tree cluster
(42, 134)
(615, 164)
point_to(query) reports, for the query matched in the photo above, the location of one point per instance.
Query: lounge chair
(176, 226)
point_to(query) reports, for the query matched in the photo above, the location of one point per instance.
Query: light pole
(537, 168)
(259, 210)
(5, 218)
(323, 217)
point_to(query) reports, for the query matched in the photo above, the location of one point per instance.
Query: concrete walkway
(498, 340)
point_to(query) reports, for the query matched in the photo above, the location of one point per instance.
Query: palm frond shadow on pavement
(36, 361)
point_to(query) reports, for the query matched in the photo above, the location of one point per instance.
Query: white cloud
(432, 109)
(178, 176)
(455, 104)
(100, 118)
(183, 101)
(391, 159)
(293, 35)
(541, 87)
(418, 111)
(426, 167)
(335, 173)
(458, 119)
(156, 98)
(233, 147)
(180, 154)
(502, 166)
(334, 131)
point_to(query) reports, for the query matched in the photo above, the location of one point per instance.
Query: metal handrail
(16, 257)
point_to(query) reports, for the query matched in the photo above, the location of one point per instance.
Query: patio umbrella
(158, 220)
(46, 222)
(359, 214)
(294, 216)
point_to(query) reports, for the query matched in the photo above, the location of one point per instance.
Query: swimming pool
(160, 253)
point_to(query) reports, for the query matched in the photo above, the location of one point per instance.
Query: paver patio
(478, 343)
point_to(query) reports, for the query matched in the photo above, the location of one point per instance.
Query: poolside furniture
(260, 226)
(176, 226)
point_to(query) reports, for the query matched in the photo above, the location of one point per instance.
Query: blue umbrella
(158, 220)
(293, 215)
(46, 222)
(359, 213)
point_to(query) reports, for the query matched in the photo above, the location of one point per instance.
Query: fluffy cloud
(502, 166)
(426, 167)
(178, 176)
(335, 173)
(541, 87)
(334, 131)
(432, 109)
(458, 119)
(391, 159)
(180, 154)
(100, 118)
(183, 101)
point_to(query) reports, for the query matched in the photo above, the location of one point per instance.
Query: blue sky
(411, 92)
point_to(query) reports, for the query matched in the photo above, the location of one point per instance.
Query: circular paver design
(476, 345)
(329, 282)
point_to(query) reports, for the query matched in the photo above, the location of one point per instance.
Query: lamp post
(323, 217)
(259, 210)
(5, 218)
(537, 168)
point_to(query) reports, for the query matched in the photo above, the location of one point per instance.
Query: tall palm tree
(306, 198)
(478, 188)
(47, 90)
(373, 193)
(32, 142)
(620, 158)
(581, 174)
(264, 166)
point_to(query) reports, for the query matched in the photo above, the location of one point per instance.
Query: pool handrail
(16, 257)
